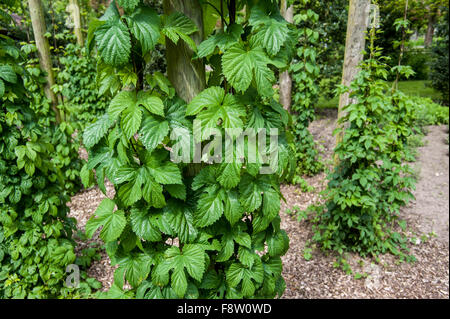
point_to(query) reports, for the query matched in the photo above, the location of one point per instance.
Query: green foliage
(430, 113)
(332, 27)
(440, 60)
(419, 60)
(76, 81)
(371, 183)
(189, 230)
(66, 144)
(36, 241)
(305, 71)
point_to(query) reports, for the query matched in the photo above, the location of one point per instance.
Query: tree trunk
(285, 77)
(358, 21)
(45, 61)
(76, 18)
(430, 30)
(185, 74)
(402, 48)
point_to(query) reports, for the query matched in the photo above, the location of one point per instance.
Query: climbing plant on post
(43, 47)
(186, 75)
(36, 243)
(357, 24)
(371, 182)
(305, 73)
(173, 231)
(287, 11)
(74, 9)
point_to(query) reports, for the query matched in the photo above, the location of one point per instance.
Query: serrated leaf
(153, 131)
(209, 209)
(177, 26)
(142, 226)
(222, 39)
(177, 191)
(227, 248)
(243, 239)
(250, 193)
(131, 120)
(7, 73)
(207, 47)
(228, 114)
(246, 257)
(167, 173)
(181, 221)
(94, 132)
(248, 288)
(131, 192)
(145, 26)
(210, 97)
(211, 280)
(136, 267)
(160, 274)
(120, 102)
(230, 174)
(113, 222)
(278, 243)
(271, 203)
(153, 193)
(87, 176)
(152, 103)
(272, 35)
(192, 258)
(179, 282)
(237, 66)
(113, 41)
(233, 209)
(128, 4)
(240, 65)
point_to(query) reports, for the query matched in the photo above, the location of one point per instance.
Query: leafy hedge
(36, 241)
(305, 76)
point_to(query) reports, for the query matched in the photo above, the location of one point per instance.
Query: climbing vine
(371, 183)
(190, 230)
(62, 136)
(36, 242)
(305, 74)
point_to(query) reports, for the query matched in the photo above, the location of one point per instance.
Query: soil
(427, 218)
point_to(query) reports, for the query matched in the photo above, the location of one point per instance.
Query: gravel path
(432, 192)
(428, 277)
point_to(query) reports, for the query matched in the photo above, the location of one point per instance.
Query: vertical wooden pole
(430, 28)
(358, 22)
(76, 17)
(285, 77)
(45, 61)
(402, 48)
(185, 74)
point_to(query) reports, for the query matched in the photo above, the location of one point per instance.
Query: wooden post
(45, 61)
(430, 28)
(285, 77)
(185, 74)
(358, 22)
(74, 10)
(402, 48)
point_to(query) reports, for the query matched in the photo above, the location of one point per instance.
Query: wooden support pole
(43, 47)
